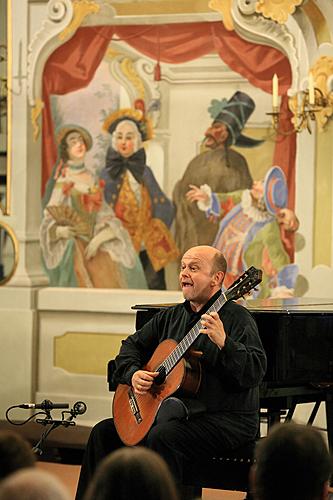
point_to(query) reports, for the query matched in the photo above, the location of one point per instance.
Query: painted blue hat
(275, 190)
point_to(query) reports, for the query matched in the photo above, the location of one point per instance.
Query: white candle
(311, 90)
(275, 91)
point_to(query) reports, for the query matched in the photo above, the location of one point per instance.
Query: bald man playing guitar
(188, 380)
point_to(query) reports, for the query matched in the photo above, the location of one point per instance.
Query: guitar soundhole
(160, 379)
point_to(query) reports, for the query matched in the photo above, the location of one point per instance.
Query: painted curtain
(72, 66)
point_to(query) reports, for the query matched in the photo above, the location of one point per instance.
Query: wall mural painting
(107, 220)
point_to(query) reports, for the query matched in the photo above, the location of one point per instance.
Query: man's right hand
(142, 381)
(196, 194)
(65, 232)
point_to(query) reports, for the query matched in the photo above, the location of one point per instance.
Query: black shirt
(231, 375)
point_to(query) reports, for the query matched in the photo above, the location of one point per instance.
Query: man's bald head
(211, 254)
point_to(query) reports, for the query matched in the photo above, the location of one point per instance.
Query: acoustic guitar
(134, 414)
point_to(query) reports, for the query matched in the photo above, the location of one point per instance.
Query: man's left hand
(213, 327)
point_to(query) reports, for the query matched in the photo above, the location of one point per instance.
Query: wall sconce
(313, 104)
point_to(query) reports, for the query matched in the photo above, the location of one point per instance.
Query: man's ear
(224, 134)
(218, 278)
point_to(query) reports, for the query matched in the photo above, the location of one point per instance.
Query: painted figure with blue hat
(220, 166)
(250, 231)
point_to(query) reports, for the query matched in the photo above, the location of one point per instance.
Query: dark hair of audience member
(33, 484)
(15, 453)
(293, 463)
(135, 473)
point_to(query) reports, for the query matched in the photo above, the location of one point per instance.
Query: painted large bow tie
(117, 164)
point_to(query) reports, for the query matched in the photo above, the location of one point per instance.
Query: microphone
(79, 408)
(44, 405)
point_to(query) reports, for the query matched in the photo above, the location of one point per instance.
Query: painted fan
(67, 216)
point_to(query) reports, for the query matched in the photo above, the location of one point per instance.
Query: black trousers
(155, 279)
(177, 441)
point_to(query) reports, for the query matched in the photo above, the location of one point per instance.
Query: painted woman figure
(83, 243)
(133, 192)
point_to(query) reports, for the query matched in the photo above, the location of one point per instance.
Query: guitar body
(134, 414)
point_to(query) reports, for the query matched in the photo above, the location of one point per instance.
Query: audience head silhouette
(132, 472)
(32, 484)
(15, 453)
(293, 463)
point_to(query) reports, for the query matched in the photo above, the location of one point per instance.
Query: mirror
(5, 105)
(8, 253)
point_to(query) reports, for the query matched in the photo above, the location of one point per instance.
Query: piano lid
(296, 333)
(292, 305)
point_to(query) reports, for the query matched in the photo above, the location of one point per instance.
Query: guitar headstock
(244, 284)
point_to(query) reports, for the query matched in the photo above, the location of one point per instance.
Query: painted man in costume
(83, 243)
(250, 231)
(133, 192)
(221, 167)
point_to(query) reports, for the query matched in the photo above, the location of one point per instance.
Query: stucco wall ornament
(322, 109)
(253, 26)
(81, 9)
(43, 43)
(36, 112)
(136, 76)
(224, 7)
(128, 70)
(277, 10)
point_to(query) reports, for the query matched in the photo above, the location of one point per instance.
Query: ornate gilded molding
(136, 75)
(322, 72)
(257, 29)
(81, 9)
(127, 67)
(44, 42)
(36, 112)
(224, 7)
(277, 10)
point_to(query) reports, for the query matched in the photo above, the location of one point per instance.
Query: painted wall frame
(9, 251)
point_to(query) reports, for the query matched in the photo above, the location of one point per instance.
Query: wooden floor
(69, 474)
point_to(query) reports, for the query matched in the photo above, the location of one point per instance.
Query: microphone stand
(38, 448)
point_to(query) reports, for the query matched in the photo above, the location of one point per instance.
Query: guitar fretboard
(170, 362)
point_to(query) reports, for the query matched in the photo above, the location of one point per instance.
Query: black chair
(228, 471)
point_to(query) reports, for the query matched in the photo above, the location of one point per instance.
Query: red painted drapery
(73, 65)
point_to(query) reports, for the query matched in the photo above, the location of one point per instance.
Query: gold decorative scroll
(224, 7)
(277, 10)
(82, 9)
(111, 53)
(131, 74)
(35, 114)
(322, 70)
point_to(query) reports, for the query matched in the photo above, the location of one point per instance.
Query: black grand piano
(297, 335)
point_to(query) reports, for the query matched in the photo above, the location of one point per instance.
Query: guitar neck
(170, 362)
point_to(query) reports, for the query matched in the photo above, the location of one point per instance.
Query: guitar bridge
(134, 406)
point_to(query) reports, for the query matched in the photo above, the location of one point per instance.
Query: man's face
(216, 135)
(196, 279)
(76, 147)
(125, 139)
(287, 218)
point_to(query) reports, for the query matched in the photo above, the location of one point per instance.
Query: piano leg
(329, 418)
(273, 417)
